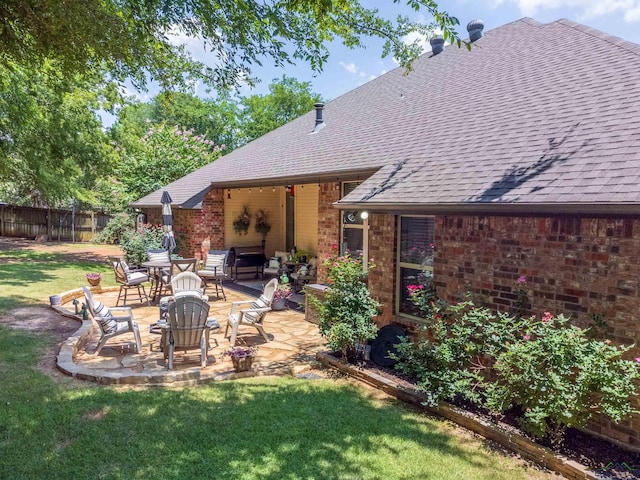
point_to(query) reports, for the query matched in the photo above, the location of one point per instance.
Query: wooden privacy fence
(51, 224)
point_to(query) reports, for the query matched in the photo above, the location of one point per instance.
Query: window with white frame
(352, 225)
(415, 258)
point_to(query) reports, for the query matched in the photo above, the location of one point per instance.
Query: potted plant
(262, 226)
(280, 297)
(242, 357)
(242, 221)
(93, 279)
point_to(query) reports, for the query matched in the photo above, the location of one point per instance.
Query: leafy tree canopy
(287, 99)
(131, 38)
(52, 144)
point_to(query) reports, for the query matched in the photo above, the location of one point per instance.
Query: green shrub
(136, 243)
(550, 369)
(345, 318)
(561, 378)
(115, 228)
(455, 352)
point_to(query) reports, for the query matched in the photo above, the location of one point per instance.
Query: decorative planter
(278, 304)
(55, 299)
(242, 364)
(94, 282)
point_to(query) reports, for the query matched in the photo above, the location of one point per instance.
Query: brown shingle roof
(537, 117)
(534, 115)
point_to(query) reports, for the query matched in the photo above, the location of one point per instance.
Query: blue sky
(347, 69)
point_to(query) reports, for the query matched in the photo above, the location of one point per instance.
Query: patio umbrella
(168, 240)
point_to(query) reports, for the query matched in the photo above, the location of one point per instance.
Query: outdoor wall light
(273, 189)
(228, 193)
(260, 189)
(364, 215)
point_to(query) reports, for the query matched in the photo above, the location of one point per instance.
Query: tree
(163, 155)
(52, 146)
(130, 38)
(214, 119)
(287, 99)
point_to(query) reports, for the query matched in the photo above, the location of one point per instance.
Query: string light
(273, 189)
(260, 189)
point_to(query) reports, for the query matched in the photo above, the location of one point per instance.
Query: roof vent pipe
(437, 44)
(475, 27)
(319, 121)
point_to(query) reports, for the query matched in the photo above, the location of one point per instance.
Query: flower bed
(583, 455)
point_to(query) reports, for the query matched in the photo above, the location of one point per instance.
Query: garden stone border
(517, 443)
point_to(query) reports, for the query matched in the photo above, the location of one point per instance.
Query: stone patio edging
(512, 441)
(65, 359)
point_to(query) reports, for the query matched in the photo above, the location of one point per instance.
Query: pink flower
(527, 337)
(522, 279)
(547, 317)
(637, 359)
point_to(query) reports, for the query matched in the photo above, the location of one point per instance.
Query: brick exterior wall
(382, 251)
(584, 267)
(328, 225)
(197, 231)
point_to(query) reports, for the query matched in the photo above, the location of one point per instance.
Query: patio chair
(254, 315)
(112, 321)
(307, 273)
(188, 329)
(215, 270)
(177, 266)
(276, 266)
(184, 283)
(129, 278)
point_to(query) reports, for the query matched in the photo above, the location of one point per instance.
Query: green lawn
(261, 428)
(28, 277)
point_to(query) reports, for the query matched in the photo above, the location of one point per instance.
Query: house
(518, 158)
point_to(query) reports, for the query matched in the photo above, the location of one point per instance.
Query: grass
(28, 277)
(261, 428)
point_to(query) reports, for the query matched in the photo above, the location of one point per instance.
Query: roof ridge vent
(319, 121)
(475, 28)
(437, 44)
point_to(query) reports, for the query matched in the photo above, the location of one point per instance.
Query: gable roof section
(539, 118)
(535, 116)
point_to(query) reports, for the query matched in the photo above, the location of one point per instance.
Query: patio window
(352, 228)
(415, 259)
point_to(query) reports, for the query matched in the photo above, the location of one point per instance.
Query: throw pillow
(274, 262)
(256, 317)
(105, 318)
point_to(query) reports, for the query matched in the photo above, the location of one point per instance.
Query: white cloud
(131, 92)
(349, 67)
(587, 9)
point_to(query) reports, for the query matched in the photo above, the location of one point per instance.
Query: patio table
(155, 268)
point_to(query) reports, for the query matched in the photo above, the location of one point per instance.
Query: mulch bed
(599, 455)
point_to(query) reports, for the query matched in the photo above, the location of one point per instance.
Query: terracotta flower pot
(242, 364)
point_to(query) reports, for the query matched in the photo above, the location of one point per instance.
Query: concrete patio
(291, 349)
